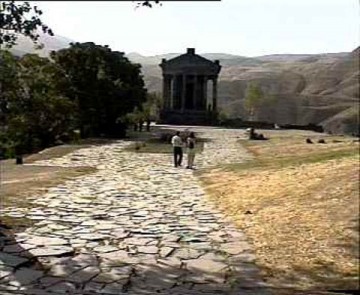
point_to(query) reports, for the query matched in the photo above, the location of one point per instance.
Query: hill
(300, 88)
(24, 45)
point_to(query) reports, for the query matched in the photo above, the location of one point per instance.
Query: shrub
(166, 137)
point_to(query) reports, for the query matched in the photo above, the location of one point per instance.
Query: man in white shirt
(177, 144)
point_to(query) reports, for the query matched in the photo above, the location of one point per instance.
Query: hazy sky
(242, 27)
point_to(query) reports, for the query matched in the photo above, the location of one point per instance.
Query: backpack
(191, 144)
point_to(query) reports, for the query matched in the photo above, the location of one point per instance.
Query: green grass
(149, 147)
(157, 141)
(156, 146)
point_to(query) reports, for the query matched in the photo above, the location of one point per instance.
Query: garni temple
(189, 89)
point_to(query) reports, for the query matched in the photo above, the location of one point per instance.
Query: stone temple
(187, 96)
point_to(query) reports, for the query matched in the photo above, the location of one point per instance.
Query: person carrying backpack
(190, 143)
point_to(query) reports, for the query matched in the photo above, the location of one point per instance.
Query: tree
(134, 118)
(39, 114)
(148, 111)
(105, 85)
(151, 107)
(148, 3)
(20, 19)
(9, 83)
(254, 97)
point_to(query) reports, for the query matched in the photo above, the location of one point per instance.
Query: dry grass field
(299, 205)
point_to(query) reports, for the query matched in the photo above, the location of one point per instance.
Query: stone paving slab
(136, 226)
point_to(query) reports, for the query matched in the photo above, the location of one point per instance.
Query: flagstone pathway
(136, 226)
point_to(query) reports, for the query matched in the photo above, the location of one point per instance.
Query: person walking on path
(190, 143)
(177, 144)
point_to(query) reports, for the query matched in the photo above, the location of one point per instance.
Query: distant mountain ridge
(25, 45)
(231, 58)
(299, 57)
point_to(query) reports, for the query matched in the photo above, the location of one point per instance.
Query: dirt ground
(299, 204)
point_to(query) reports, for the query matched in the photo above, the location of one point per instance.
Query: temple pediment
(190, 62)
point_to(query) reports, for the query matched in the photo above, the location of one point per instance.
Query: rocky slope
(299, 89)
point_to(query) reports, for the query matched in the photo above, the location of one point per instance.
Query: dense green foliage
(104, 84)
(34, 112)
(147, 111)
(86, 87)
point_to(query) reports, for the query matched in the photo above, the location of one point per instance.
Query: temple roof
(190, 62)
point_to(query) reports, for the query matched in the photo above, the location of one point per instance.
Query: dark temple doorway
(189, 96)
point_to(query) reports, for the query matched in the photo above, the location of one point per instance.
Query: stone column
(201, 89)
(183, 93)
(214, 102)
(172, 92)
(204, 99)
(166, 91)
(195, 92)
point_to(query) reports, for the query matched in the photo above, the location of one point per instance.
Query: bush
(166, 137)
(7, 151)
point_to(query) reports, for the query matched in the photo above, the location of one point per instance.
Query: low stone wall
(238, 123)
(312, 127)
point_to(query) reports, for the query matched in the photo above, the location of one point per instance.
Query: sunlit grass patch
(158, 146)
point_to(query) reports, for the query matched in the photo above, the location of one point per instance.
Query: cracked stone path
(136, 226)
